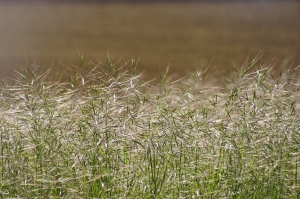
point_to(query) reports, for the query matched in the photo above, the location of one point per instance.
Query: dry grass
(107, 134)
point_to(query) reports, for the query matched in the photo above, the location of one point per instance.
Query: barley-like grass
(107, 134)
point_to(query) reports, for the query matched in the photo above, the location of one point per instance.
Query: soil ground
(185, 36)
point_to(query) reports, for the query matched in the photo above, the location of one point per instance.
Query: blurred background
(187, 35)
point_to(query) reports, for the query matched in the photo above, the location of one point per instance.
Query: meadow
(83, 117)
(107, 133)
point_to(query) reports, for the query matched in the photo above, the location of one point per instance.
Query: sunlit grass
(105, 133)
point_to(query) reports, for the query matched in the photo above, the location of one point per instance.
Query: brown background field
(186, 36)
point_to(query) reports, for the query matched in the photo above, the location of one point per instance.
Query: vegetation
(105, 133)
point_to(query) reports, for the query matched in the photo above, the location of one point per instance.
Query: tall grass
(105, 133)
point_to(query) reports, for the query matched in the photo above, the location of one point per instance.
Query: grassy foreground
(107, 134)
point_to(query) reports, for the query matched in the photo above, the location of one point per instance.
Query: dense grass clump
(105, 133)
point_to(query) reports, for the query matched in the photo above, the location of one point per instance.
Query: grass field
(184, 35)
(105, 133)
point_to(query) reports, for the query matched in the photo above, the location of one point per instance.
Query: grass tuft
(105, 133)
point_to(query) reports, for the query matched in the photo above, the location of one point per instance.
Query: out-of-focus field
(185, 35)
